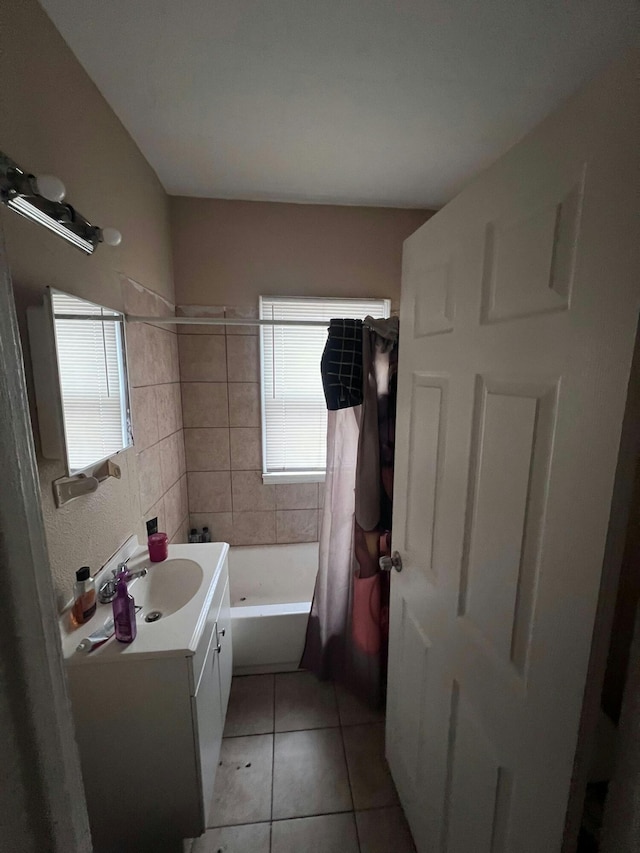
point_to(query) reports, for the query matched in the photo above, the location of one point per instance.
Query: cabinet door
(225, 656)
(208, 721)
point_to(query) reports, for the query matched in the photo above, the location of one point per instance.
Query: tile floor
(302, 770)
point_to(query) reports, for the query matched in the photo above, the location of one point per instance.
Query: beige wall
(227, 253)
(53, 119)
(230, 252)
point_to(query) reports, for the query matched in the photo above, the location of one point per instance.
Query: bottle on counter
(158, 544)
(84, 597)
(206, 535)
(194, 536)
(124, 611)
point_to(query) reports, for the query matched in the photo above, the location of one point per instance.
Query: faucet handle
(123, 571)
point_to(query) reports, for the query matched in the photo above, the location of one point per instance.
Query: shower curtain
(347, 633)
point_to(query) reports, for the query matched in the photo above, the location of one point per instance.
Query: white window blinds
(92, 381)
(294, 411)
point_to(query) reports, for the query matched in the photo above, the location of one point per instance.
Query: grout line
(288, 731)
(155, 443)
(208, 471)
(228, 427)
(317, 814)
(344, 753)
(355, 822)
(215, 427)
(226, 358)
(295, 817)
(304, 816)
(378, 808)
(156, 384)
(273, 757)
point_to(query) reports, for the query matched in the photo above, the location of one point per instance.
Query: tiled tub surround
(156, 407)
(220, 376)
(302, 768)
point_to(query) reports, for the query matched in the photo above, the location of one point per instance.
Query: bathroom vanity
(149, 715)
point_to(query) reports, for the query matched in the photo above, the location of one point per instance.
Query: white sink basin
(180, 589)
(168, 586)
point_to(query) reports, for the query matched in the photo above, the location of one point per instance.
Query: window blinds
(294, 411)
(92, 382)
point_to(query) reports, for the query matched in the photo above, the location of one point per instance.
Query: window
(93, 381)
(294, 411)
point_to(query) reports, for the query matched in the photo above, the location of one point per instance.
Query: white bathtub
(271, 590)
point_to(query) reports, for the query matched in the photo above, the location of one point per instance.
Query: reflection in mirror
(91, 360)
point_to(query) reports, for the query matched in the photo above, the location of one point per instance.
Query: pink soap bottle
(124, 611)
(158, 543)
(158, 547)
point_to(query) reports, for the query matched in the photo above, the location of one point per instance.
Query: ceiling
(370, 102)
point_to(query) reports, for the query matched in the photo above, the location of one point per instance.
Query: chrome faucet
(108, 589)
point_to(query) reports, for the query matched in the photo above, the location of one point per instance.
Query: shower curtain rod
(221, 321)
(191, 321)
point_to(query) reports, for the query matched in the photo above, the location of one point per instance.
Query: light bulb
(50, 187)
(111, 236)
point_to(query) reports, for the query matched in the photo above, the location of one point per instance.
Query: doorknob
(392, 562)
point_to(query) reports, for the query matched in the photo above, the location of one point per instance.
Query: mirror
(84, 412)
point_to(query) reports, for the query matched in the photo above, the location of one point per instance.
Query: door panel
(529, 257)
(478, 785)
(225, 655)
(428, 410)
(209, 724)
(510, 456)
(518, 318)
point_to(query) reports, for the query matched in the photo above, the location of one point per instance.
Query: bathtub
(271, 588)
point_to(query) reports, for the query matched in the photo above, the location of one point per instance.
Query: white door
(518, 316)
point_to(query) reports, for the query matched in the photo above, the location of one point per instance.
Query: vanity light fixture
(40, 199)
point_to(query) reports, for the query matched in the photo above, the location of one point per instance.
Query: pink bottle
(158, 547)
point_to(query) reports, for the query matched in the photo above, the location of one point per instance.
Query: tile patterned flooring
(302, 768)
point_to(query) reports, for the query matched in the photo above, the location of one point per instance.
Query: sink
(172, 600)
(168, 586)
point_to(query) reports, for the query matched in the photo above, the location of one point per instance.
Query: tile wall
(156, 407)
(220, 379)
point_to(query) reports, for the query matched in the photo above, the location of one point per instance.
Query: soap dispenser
(124, 611)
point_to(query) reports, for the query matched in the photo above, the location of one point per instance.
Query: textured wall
(55, 120)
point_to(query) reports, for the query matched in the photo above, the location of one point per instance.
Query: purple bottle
(124, 611)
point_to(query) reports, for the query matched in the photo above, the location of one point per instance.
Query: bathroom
(197, 456)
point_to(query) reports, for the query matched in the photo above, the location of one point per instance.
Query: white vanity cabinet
(211, 699)
(149, 727)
